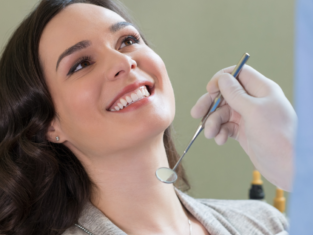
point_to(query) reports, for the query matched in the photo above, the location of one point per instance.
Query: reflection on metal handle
(200, 128)
(220, 98)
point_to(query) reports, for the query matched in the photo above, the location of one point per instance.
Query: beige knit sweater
(219, 217)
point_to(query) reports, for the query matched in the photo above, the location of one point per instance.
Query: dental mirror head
(169, 176)
(166, 175)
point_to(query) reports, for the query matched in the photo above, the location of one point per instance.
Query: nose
(119, 65)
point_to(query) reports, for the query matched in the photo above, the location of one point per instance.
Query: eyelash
(135, 37)
(81, 60)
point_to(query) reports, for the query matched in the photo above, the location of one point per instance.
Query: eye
(130, 40)
(83, 63)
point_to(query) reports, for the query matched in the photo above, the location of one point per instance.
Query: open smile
(130, 98)
(131, 95)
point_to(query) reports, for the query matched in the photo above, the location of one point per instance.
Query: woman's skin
(120, 150)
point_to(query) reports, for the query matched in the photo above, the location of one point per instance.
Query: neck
(129, 194)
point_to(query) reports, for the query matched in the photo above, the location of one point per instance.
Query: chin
(148, 130)
(155, 129)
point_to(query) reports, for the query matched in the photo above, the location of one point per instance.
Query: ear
(54, 133)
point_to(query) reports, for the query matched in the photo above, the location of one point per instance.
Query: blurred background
(196, 39)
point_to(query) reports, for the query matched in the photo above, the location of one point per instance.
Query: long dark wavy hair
(43, 186)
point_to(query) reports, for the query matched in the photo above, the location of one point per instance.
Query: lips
(131, 94)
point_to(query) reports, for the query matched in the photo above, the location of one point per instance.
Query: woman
(86, 108)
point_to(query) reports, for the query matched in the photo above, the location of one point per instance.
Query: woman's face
(110, 90)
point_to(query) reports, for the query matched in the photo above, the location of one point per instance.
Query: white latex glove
(257, 114)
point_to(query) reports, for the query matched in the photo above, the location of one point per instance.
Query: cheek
(152, 63)
(77, 103)
(80, 96)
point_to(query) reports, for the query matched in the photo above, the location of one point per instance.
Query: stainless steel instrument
(169, 176)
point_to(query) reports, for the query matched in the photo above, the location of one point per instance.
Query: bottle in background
(256, 191)
(280, 201)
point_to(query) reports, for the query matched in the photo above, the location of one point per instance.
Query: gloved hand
(257, 114)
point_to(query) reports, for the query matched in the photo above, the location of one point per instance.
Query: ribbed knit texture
(219, 217)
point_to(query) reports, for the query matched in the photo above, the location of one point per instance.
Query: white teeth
(144, 92)
(139, 94)
(147, 92)
(124, 103)
(134, 97)
(128, 99)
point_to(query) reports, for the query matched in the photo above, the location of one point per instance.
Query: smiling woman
(52, 186)
(86, 108)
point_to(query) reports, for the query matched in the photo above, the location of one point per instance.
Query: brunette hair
(43, 186)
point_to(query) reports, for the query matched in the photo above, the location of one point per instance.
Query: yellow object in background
(256, 178)
(280, 200)
(256, 192)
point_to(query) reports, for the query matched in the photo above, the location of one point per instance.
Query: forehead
(78, 15)
(77, 22)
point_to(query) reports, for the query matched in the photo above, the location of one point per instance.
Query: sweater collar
(97, 223)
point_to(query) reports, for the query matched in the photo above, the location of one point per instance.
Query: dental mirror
(169, 176)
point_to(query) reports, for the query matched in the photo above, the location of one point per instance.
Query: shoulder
(236, 216)
(74, 231)
(244, 212)
(92, 220)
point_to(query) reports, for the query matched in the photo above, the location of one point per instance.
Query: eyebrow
(118, 26)
(77, 47)
(86, 43)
